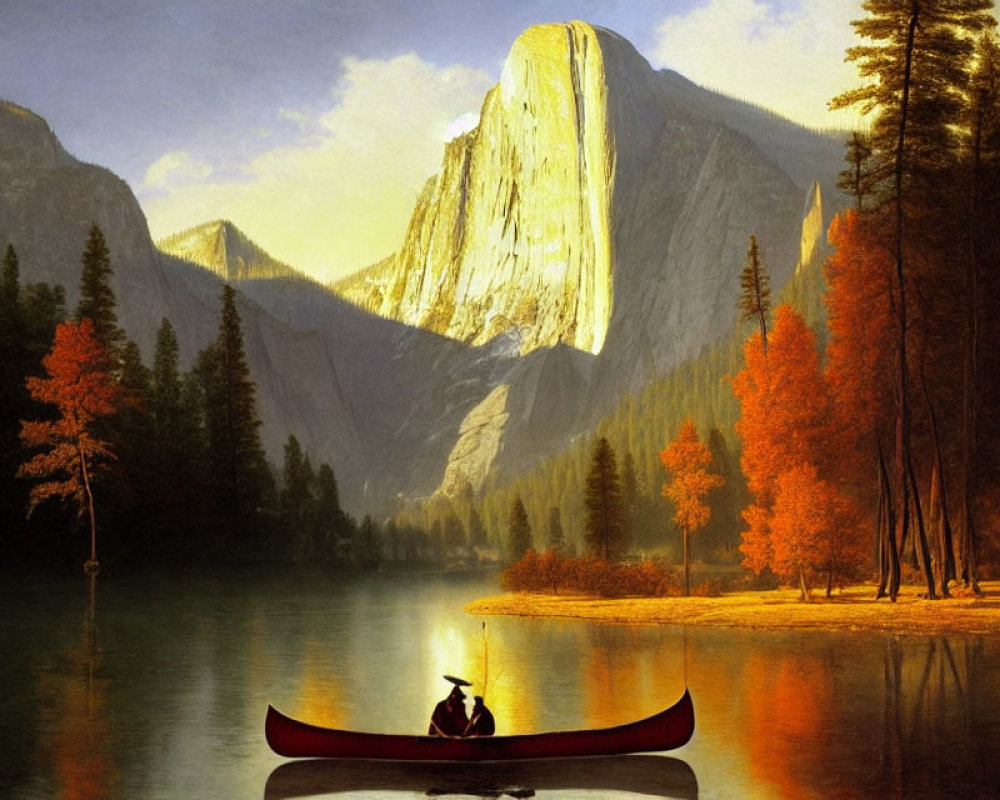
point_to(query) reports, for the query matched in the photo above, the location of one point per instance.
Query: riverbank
(852, 609)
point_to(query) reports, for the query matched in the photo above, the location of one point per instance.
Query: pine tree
(368, 546)
(557, 541)
(97, 297)
(331, 522)
(235, 454)
(755, 284)
(518, 531)
(917, 63)
(477, 531)
(177, 446)
(605, 523)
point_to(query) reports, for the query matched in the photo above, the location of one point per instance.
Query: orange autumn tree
(687, 459)
(814, 531)
(785, 427)
(859, 373)
(80, 385)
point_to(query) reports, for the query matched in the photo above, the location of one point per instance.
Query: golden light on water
(320, 700)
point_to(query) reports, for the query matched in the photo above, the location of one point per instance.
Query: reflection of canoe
(664, 731)
(651, 776)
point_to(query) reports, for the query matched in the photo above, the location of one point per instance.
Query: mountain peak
(27, 141)
(220, 247)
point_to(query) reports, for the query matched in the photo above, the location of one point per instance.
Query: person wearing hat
(449, 717)
(482, 722)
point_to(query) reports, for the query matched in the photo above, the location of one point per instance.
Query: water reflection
(77, 696)
(927, 711)
(159, 689)
(650, 776)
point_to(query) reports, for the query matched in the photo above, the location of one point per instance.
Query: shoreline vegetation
(851, 609)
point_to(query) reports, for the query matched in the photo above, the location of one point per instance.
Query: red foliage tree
(814, 530)
(687, 459)
(783, 403)
(859, 348)
(80, 385)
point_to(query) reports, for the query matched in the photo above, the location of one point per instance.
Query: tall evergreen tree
(297, 483)
(755, 286)
(477, 531)
(235, 455)
(605, 511)
(177, 475)
(917, 60)
(982, 157)
(97, 297)
(557, 541)
(14, 367)
(518, 530)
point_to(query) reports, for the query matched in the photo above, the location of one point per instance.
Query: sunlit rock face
(599, 204)
(221, 248)
(514, 234)
(813, 228)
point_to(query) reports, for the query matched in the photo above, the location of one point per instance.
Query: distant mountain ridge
(585, 239)
(220, 247)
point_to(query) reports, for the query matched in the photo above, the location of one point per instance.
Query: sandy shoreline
(853, 609)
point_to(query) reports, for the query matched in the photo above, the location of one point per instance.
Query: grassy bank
(853, 609)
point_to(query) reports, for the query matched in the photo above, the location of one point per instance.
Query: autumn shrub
(551, 572)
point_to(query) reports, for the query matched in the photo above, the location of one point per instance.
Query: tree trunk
(902, 459)
(970, 388)
(91, 566)
(920, 540)
(939, 509)
(687, 566)
(889, 538)
(802, 583)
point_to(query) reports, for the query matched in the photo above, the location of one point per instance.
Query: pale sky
(313, 124)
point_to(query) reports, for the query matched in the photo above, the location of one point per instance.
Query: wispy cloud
(339, 196)
(176, 169)
(788, 57)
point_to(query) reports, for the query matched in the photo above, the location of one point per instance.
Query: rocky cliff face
(514, 235)
(600, 205)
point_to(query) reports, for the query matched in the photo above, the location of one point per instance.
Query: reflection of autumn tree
(935, 680)
(787, 722)
(83, 765)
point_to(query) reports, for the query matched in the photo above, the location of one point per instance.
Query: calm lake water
(157, 688)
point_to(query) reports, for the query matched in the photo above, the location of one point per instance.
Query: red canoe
(664, 731)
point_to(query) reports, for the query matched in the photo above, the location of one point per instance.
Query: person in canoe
(449, 717)
(482, 722)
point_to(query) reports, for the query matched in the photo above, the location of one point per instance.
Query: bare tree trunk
(91, 566)
(920, 540)
(889, 536)
(939, 500)
(802, 583)
(687, 566)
